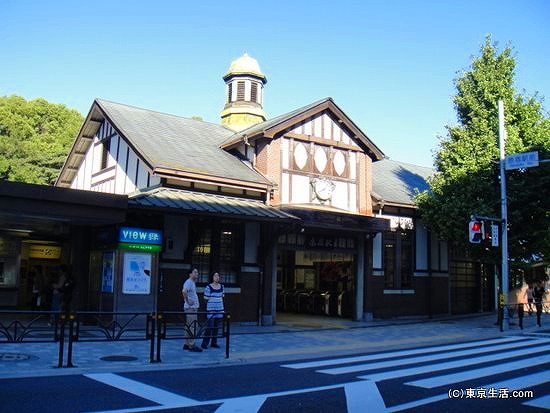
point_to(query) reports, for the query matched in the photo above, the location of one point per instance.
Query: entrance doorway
(315, 282)
(40, 262)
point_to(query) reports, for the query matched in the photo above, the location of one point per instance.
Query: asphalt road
(481, 376)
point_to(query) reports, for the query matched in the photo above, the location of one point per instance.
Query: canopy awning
(208, 204)
(44, 209)
(325, 219)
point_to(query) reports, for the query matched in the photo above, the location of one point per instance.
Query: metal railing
(173, 325)
(101, 326)
(33, 327)
(90, 326)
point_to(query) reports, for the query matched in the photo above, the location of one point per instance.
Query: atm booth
(124, 269)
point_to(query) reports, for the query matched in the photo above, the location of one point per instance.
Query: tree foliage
(35, 138)
(467, 169)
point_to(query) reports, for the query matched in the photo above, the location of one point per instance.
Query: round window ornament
(339, 163)
(300, 155)
(320, 159)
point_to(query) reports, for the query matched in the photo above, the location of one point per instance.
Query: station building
(300, 213)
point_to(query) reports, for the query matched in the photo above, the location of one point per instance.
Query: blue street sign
(522, 160)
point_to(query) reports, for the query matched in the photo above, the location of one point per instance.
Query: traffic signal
(476, 229)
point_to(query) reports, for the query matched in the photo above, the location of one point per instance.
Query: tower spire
(244, 98)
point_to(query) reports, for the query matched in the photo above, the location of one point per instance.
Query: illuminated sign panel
(139, 247)
(140, 236)
(48, 252)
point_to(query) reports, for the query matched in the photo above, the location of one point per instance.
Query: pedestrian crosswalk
(431, 368)
(401, 353)
(420, 376)
(451, 366)
(434, 357)
(469, 375)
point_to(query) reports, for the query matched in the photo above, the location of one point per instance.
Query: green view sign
(139, 247)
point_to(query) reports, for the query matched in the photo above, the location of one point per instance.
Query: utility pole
(504, 213)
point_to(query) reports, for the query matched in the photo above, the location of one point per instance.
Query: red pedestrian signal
(476, 231)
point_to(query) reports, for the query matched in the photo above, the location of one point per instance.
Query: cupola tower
(244, 94)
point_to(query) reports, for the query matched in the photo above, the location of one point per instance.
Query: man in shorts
(190, 307)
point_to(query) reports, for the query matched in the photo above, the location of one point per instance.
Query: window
(106, 146)
(229, 91)
(240, 90)
(254, 92)
(439, 250)
(406, 259)
(228, 266)
(200, 256)
(217, 247)
(398, 259)
(389, 263)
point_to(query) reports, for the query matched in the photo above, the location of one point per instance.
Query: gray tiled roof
(397, 182)
(175, 142)
(190, 201)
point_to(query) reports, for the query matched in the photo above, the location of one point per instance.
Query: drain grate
(16, 357)
(119, 358)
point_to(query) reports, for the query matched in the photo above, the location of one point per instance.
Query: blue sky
(389, 65)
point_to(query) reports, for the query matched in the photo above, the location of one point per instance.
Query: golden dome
(245, 65)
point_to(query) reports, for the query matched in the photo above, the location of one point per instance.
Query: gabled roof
(173, 143)
(397, 182)
(278, 124)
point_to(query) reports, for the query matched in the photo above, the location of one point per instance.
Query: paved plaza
(293, 338)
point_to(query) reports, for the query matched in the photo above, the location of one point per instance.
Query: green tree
(467, 169)
(35, 138)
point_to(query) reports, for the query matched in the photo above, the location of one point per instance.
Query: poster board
(136, 275)
(107, 271)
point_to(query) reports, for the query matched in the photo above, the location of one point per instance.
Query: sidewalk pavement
(293, 338)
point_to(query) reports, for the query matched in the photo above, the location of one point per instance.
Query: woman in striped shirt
(213, 295)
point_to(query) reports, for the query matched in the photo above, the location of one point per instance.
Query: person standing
(37, 288)
(67, 289)
(529, 295)
(190, 307)
(56, 290)
(538, 296)
(213, 294)
(56, 294)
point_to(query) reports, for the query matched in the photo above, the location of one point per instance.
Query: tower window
(254, 92)
(240, 90)
(229, 91)
(106, 147)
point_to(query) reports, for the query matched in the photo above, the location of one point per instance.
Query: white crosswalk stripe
(542, 402)
(401, 353)
(431, 368)
(431, 357)
(465, 376)
(521, 383)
